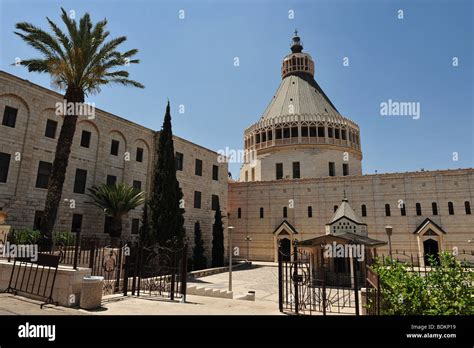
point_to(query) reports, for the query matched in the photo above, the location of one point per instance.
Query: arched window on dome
(312, 132)
(330, 132)
(278, 133)
(336, 133)
(321, 132)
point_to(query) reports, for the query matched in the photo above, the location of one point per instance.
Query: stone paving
(261, 278)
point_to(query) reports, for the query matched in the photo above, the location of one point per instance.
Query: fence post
(323, 281)
(135, 267)
(295, 277)
(76, 248)
(173, 273)
(280, 281)
(356, 285)
(119, 267)
(92, 256)
(184, 271)
(125, 275)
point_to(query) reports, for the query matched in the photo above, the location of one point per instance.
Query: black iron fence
(34, 277)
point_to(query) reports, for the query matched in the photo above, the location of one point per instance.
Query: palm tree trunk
(58, 171)
(116, 231)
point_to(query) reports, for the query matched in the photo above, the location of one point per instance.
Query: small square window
(114, 147)
(9, 116)
(139, 156)
(51, 127)
(85, 139)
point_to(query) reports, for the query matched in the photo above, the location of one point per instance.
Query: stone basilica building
(302, 177)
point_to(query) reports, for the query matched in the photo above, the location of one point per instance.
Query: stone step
(209, 292)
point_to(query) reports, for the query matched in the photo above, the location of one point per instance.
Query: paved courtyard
(261, 278)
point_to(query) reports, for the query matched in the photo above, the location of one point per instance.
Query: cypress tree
(165, 211)
(199, 260)
(217, 240)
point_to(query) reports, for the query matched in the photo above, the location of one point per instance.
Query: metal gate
(305, 289)
(156, 271)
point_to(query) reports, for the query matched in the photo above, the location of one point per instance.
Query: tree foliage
(445, 289)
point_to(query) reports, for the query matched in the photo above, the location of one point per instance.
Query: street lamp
(248, 239)
(388, 230)
(230, 228)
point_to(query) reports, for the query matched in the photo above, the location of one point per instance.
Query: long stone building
(106, 149)
(304, 159)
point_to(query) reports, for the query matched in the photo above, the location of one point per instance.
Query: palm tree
(116, 201)
(79, 61)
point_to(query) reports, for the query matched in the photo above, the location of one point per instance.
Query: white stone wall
(374, 191)
(314, 162)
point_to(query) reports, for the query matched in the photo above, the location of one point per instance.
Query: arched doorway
(285, 249)
(430, 248)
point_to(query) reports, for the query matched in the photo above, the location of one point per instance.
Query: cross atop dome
(297, 45)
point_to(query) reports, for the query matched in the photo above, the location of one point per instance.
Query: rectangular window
(345, 169)
(310, 211)
(343, 134)
(51, 127)
(336, 133)
(332, 169)
(312, 132)
(279, 171)
(198, 167)
(76, 225)
(4, 166)
(9, 116)
(294, 132)
(304, 131)
(135, 226)
(321, 132)
(137, 185)
(261, 213)
(296, 170)
(197, 199)
(330, 132)
(139, 155)
(86, 139)
(239, 213)
(111, 180)
(215, 172)
(214, 202)
(286, 132)
(37, 221)
(285, 212)
(278, 133)
(270, 135)
(80, 181)
(257, 138)
(179, 160)
(42, 178)
(114, 147)
(108, 224)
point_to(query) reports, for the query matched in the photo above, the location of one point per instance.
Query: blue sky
(190, 61)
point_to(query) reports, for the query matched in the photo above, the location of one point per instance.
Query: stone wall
(28, 145)
(374, 191)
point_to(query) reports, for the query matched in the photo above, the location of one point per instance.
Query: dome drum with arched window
(301, 118)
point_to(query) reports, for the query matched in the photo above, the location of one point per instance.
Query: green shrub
(64, 238)
(446, 289)
(24, 236)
